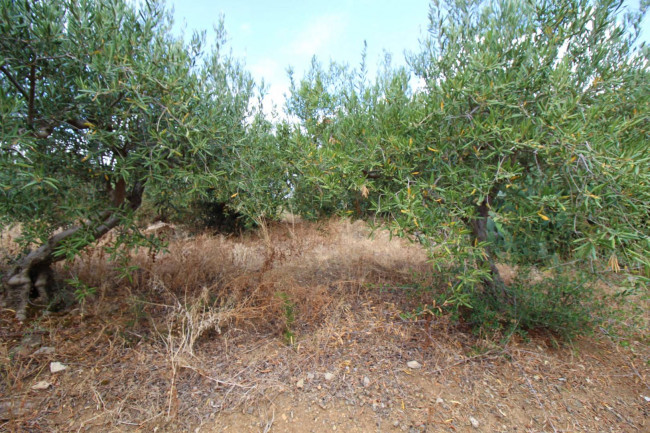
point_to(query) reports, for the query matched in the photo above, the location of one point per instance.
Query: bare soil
(300, 328)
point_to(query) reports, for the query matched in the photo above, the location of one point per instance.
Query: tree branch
(14, 82)
(32, 92)
(47, 128)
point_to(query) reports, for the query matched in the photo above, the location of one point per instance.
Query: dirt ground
(317, 334)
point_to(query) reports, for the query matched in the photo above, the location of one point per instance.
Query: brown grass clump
(251, 281)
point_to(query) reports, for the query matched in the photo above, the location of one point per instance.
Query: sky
(272, 35)
(269, 36)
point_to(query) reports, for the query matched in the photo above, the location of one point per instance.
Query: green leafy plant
(82, 291)
(289, 310)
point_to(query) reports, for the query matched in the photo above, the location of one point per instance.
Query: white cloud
(275, 77)
(318, 34)
(266, 68)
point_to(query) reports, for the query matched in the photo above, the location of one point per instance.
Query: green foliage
(540, 111)
(527, 143)
(347, 132)
(81, 290)
(289, 310)
(563, 305)
(100, 100)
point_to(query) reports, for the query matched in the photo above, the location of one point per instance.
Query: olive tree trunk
(495, 286)
(31, 274)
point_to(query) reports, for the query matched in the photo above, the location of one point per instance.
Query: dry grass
(202, 329)
(308, 264)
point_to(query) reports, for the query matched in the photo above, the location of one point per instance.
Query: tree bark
(495, 286)
(32, 273)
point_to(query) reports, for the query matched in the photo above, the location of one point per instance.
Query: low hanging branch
(33, 271)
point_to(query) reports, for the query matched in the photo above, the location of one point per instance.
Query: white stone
(56, 367)
(414, 364)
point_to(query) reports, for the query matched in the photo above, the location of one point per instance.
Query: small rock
(310, 376)
(300, 384)
(646, 398)
(43, 384)
(439, 400)
(366, 381)
(396, 424)
(328, 376)
(473, 421)
(56, 367)
(414, 364)
(45, 350)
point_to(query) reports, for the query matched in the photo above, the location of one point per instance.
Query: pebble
(473, 421)
(300, 384)
(43, 384)
(414, 364)
(310, 376)
(366, 381)
(329, 376)
(56, 367)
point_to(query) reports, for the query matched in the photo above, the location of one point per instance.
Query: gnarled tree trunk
(495, 286)
(32, 273)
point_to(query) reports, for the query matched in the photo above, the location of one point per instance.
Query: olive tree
(536, 121)
(527, 141)
(100, 101)
(347, 128)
